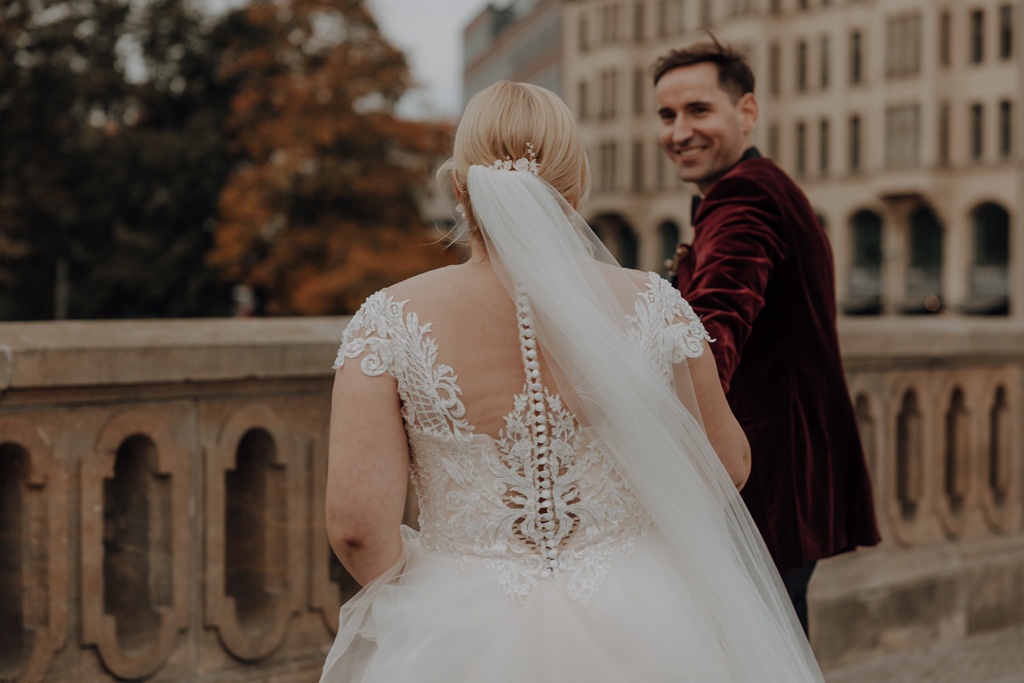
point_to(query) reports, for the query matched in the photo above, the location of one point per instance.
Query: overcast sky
(430, 34)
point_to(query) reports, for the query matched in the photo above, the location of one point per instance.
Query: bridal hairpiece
(527, 163)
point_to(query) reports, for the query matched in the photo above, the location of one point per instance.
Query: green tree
(109, 184)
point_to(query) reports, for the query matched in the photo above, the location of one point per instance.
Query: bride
(575, 460)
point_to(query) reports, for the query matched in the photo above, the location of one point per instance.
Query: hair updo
(501, 121)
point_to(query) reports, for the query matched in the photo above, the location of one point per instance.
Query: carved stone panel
(33, 552)
(253, 472)
(955, 466)
(1001, 457)
(135, 540)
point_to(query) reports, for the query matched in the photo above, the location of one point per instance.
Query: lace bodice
(543, 501)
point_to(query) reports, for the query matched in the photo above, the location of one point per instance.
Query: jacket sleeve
(736, 249)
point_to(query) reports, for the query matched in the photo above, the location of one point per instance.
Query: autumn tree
(323, 209)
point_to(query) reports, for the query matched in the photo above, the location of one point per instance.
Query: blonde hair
(499, 123)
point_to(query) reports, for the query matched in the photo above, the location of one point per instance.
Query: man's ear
(749, 110)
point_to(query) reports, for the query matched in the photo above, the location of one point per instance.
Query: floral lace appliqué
(543, 501)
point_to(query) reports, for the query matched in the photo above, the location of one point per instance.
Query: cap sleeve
(682, 334)
(371, 335)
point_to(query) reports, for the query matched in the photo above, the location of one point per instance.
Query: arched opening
(254, 555)
(866, 427)
(924, 272)
(13, 469)
(956, 456)
(864, 286)
(136, 544)
(619, 237)
(990, 268)
(668, 240)
(909, 474)
(999, 452)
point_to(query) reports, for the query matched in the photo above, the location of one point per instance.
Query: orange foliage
(324, 209)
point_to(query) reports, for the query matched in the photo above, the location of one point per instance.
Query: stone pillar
(895, 256)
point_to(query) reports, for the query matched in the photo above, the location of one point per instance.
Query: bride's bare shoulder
(425, 284)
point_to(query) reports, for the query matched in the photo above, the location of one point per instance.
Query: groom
(760, 275)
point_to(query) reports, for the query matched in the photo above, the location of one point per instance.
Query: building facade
(518, 42)
(900, 119)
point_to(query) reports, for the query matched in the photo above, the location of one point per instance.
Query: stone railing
(161, 500)
(940, 411)
(161, 497)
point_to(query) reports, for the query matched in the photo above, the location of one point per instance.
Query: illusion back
(538, 499)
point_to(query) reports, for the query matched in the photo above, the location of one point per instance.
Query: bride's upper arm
(368, 455)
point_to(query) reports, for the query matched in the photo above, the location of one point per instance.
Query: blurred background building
(901, 119)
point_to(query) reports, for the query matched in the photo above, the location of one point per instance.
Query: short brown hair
(734, 74)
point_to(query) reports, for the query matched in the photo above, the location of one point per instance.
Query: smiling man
(760, 275)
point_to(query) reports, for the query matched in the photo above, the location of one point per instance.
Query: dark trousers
(796, 581)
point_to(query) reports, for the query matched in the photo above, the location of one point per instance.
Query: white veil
(541, 247)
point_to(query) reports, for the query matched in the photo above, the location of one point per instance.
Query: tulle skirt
(436, 618)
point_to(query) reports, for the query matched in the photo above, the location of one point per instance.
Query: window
(804, 4)
(824, 75)
(801, 66)
(775, 7)
(1005, 129)
(663, 18)
(680, 16)
(774, 69)
(1005, 31)
(609, 93)
(924, 274)
(903, 45)
(989, 279)
(801, 148)
(608, 176)
(638, 166)
(902, 136)
(854, 138)
(705, 13)
(638, 22)
(864, 286)
(977, 36)
(773, 141)
(584, 99)
(639, 90)
(823, 147)
(606, 24)
(856, 58)
(944, 131)
(584, 30)
(944, 38)
(977, 132)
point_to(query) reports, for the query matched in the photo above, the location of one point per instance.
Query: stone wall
(161, 497)
(939, 403)
(161, 503)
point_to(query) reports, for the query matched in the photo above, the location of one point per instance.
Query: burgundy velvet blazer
(760, 274)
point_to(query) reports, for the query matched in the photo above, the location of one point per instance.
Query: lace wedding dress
(535, 561)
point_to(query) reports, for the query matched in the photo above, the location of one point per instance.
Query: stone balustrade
(161, 497)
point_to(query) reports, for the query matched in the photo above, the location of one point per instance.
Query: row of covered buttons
(538, 412)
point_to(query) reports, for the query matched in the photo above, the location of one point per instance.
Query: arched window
(864, 288)
(668, 240)
(989, 283)
(924, 275)
(619, 237)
